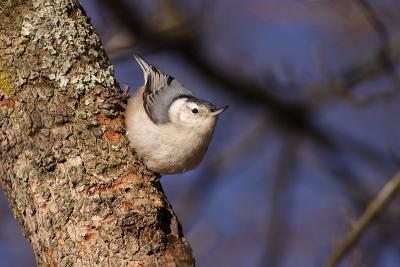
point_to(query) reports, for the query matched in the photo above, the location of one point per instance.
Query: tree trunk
(73, 183)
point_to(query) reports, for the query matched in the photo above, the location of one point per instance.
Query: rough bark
(79, 193)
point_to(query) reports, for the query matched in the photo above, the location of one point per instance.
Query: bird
(167, 126)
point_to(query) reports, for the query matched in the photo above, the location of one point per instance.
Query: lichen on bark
(72, 181)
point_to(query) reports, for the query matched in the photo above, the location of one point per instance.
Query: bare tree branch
(384, 197)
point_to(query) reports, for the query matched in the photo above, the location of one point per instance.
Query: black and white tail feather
(160, 91)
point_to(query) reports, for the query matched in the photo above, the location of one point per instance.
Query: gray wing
(160, 91)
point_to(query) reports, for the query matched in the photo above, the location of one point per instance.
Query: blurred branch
(281, 202)
(382, 61)
(379, 96)
(383, 35)
(369, 68)
(357, 74)
(377, 205)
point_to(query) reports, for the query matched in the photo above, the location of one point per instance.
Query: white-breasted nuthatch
(167, 126)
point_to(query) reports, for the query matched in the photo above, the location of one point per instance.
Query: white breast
(165, 148)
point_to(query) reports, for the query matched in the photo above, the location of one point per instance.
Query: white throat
(175, 110)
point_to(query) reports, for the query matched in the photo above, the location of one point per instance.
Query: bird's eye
(195, 110)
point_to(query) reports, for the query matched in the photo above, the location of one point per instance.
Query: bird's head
(194, 113)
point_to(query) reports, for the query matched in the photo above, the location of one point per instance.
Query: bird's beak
(219, 111)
